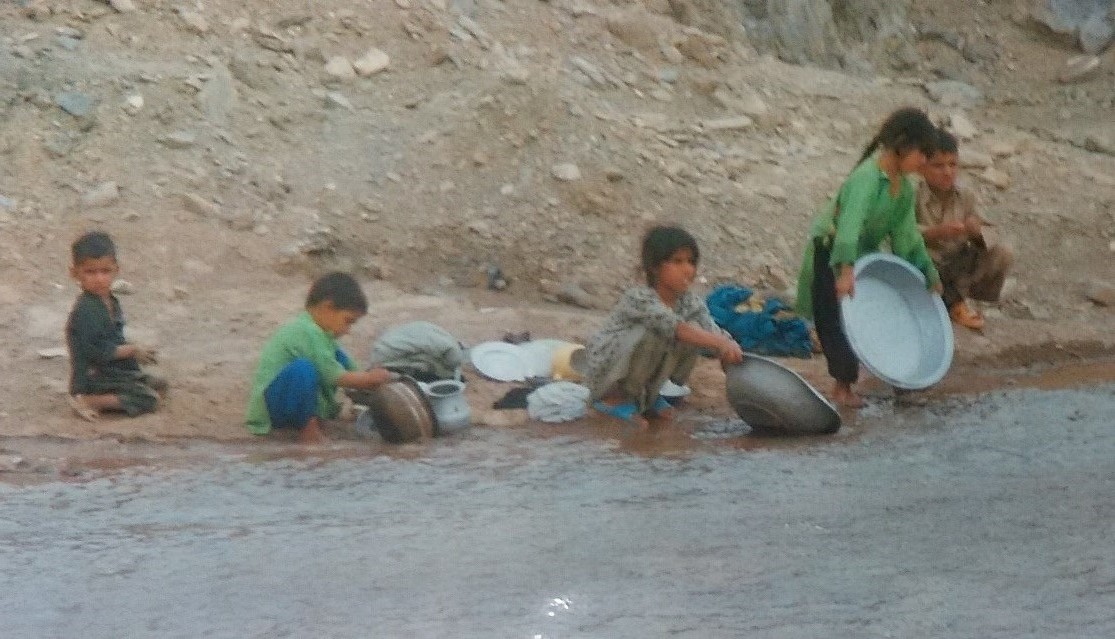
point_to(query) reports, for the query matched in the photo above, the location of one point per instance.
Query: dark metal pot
(773, 399)
(400, 411)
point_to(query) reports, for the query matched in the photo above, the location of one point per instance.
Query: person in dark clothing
(105, 372)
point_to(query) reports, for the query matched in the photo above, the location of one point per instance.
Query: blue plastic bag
(759, 331)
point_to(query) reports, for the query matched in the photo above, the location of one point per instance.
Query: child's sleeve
(855, 200)
(908, 243)
(324, 354)
(90, 339)
(643, 307)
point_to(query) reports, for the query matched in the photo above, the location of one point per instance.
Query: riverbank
(51, 444)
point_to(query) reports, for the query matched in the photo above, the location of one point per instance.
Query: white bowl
(898, 329)
(500, 361)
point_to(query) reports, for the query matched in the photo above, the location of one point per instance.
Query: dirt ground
(231, 167)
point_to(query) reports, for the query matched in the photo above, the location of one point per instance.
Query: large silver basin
(773, 399)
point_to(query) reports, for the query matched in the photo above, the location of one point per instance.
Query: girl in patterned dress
(654, 333)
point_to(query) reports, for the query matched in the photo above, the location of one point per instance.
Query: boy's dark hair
(91, 246)
(904, 130)
(659, 245)
(341, 289)
(946, 142)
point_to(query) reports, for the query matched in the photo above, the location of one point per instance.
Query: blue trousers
(291, 397)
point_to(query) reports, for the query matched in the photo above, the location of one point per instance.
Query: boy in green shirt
(301, 367)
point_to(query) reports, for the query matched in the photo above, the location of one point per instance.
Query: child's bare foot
(312, 433)
(82, 409)
(664, 410)
(843, 395)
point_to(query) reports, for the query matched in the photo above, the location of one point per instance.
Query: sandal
(661, 404)
(80, 409)
(623, 410)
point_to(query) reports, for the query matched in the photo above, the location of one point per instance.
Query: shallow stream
(970, 517)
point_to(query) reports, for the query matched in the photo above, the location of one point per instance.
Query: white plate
(898, 329)
(500, 361)
(539, 355)
(671, 390)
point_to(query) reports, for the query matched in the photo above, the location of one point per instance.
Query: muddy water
(987, 518)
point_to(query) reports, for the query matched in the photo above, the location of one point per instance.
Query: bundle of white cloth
(558, 402)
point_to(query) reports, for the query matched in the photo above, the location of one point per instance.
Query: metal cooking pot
(400, 410)
(774, 399)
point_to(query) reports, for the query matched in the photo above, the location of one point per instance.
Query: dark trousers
(292, 396)
(842, 362)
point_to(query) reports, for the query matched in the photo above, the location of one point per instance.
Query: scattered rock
(1079, 69)
(123, 287)
(122, 6)
(635, 28)
(339, 67)
(973, 159)
(218, 97)
(194, 21)
(55, 352)
(734, 123)
(951, 93)
(1100, 141)
(101, 195)
(337, 99)
(746, 102)
(179, 139)
(133, 104)
(75, 103)
(575, 294)
(1101, 294)
(566, 172)
(772, 191)
(591, 71)
(999, 179)
(961, 126)
(1002, 148)
(372, 62)
(199, 206)
(1096, 32)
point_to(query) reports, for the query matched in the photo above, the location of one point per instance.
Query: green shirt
(868, 214)
(299, 338)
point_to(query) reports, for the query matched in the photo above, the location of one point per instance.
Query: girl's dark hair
(904, 130)
(91, 246)
(340, 288)
(946, 142)
(659, 245)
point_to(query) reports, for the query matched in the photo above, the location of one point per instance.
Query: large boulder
(820, 31)
(1091, 22)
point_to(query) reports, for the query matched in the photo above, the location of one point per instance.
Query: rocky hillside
(427, 141)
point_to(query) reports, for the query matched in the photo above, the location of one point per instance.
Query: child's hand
(846, 282)
(730, 352)
(377, 376)
(145, 355)
(972, 226)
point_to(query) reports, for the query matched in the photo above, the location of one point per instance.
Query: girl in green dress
(875, 203)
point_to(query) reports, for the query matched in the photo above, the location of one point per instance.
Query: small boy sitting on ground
(301, 367)
(105, 371)
(969, 266)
